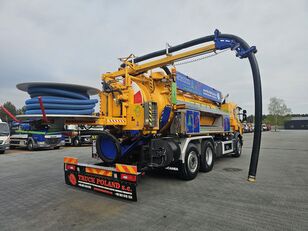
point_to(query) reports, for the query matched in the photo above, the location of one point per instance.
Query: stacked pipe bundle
(59, 100)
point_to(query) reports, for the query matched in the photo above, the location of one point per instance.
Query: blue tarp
(185, 83)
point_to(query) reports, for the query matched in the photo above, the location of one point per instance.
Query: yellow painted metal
(123, 108)
(232, 110)
(135, 69)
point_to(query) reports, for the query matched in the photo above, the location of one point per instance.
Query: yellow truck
(155, 117)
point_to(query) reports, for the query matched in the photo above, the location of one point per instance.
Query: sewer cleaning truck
(154, 117)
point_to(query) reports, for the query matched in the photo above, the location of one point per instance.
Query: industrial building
(297, 123)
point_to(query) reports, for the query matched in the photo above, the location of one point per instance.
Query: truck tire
(207, 157)
(30, 145)
(238, 146)
(76, 142)
(189, 170)
(2, 151)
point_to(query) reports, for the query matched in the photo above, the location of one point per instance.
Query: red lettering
(86, 179)
(81, 177)
(99, 181)
(126, 188)
(107, 183)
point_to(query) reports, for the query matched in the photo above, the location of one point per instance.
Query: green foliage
(271, 119)
(21, 111)
(278, 107)
(278, 112)
(11, 108)
(250, 119)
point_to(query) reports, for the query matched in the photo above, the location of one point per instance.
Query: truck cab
(76, 135)
(34, 135)
(4, 137)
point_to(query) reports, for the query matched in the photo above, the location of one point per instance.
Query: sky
(75, 41)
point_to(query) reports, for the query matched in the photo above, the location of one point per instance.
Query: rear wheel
(76, 142)
(189, 170)
(2, 151)
(207, 157)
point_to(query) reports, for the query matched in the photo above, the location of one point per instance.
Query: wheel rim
(209, 156)
(192, 161)
(239, 147)
(30, 146)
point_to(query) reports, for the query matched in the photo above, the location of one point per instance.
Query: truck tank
(136, 108)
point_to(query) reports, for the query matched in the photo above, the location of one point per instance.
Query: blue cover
(184, 83)
(227, 123)
(192, 121)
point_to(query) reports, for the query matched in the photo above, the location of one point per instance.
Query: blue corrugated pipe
(59, 101)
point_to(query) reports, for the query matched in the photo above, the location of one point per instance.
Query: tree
(277, 108)
(21, 111)
(11, 108)
(250, 119)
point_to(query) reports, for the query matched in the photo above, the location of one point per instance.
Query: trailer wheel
(30, 145)
(207, 157)
(238, 146)
(189, 170)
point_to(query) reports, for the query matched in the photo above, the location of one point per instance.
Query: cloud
(77, 41)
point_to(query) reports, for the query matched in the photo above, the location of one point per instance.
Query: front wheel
(190, 168)
(207, 157)
(30, 145)
(238, 146)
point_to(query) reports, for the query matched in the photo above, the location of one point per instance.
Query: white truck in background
(76, 135)
(4, 137)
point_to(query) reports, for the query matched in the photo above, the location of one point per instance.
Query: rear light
(128, 177)
(70, 167)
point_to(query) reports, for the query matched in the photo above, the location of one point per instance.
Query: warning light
(70, 167)
(128, 177)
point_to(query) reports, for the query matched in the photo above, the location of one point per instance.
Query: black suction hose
(257, 88)
(166, 69)
(174, 48)
(258, 106)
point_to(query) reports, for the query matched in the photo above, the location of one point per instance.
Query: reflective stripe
(99, 171)
(126, 168)
(70, 160)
